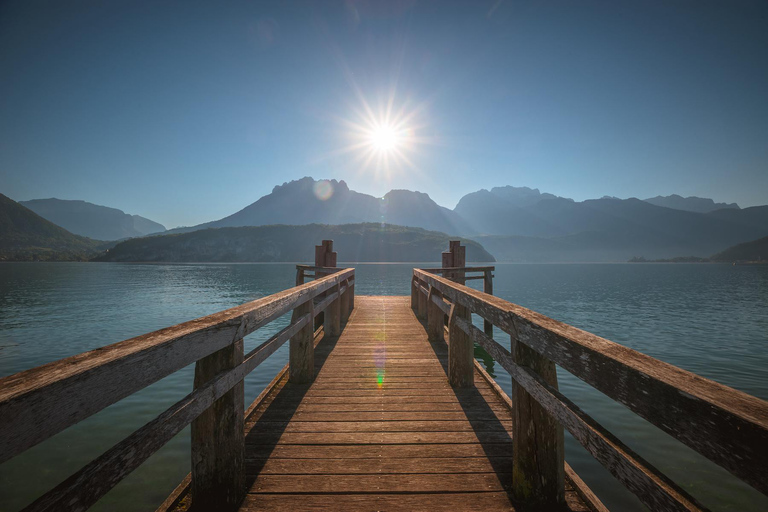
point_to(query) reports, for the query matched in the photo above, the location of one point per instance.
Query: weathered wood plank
(218, 450)
(388, 483)
(288, 451)
(453, 502)
(378, 465)
(346, 426)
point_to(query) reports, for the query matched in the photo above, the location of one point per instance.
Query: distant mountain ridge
(754, 251)
(690, 204)
(353, 242)
(308, 201)
(26, 236)
(92, 220)
(514, 223)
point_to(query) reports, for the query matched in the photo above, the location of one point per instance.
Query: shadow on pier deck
(380, 428)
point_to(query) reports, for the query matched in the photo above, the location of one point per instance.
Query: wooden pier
(382, 405)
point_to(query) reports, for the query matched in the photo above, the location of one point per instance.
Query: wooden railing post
(301, 357)
(332, 320)
(299, 276)
(422, 311)
(461, 368)
(537, 461)
(351, 292)
(414, 295)
(345, 299)
(435, 317)
(488, 288)
(218, 444)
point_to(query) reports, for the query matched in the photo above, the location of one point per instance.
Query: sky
(185, 112)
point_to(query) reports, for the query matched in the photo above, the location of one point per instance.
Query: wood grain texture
(218, 456)
(726, 425)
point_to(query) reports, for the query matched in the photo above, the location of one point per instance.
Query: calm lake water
(709, 319)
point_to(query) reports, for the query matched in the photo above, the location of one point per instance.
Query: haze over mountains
(353, 242)
(24, 235)
(690, 204)
(511, 223)
(520, 223)
(92, 220)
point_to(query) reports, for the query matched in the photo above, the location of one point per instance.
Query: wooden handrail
(38, 403)
(443, 270)
(726, 425)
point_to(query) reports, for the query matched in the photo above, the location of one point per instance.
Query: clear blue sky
(185, 112)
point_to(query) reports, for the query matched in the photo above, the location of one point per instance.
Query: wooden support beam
(538, 455)
(218, 445)
(488, 288)
(332, 317)
(460, 350)
(414, 294)
(434, 317)
(302, 351)
(344, 302)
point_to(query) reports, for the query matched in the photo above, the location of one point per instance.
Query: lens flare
(323, 190)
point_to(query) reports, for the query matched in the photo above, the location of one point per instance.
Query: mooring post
(324, 257)
(455, 257)
(435, 317)
(301, 356)
(218, 444)
(538, 472)
(488, 288)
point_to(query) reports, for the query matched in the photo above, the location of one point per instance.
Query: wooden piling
(302, 352)
(488, 288)
(538, 457)
(218, 449)
(332, 320)
(460, 350)
(435, 317)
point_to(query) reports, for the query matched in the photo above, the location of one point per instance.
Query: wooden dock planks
(380, 428)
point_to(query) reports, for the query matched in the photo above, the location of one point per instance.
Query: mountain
(308, 201)
(543, 227)
(353, 242)
(756, 250)
(26, 236)
(92, 220)
(690, 204)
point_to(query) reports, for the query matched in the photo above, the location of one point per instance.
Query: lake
(708, 319)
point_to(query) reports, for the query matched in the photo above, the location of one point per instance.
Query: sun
(385, 138)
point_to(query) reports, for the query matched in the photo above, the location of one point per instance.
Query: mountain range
(516, 223)
(26, 236)
(520, 223)
(92, 220)
(690, 204)
(307, 201)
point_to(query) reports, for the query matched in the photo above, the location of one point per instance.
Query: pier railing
(727, 426)
(39, 403)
